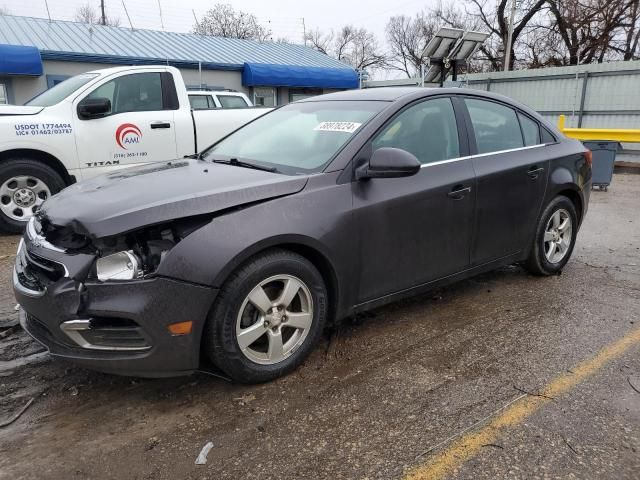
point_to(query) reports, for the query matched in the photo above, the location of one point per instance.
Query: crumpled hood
(19, 110)
(127, 199)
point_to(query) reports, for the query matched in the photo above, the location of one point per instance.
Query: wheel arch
(575, 198)
(304, 246)
(40, 156)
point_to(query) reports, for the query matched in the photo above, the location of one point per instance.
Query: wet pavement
(383, 395)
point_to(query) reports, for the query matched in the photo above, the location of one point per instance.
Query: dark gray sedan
(318, 210)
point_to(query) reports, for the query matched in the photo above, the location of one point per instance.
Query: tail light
(588, 157)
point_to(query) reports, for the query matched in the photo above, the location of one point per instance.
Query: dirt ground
(382, 394)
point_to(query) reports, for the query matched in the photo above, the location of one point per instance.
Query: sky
(283, 17)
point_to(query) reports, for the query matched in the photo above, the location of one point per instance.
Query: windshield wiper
(239, 163)
(197, 156)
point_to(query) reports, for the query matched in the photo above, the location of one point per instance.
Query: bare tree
(407, 38)
(319, 41)
(224, 21)
(357, 47)
(87, 14)
(364, 52)
(493, 17)
(631, 33)
(4, 11)
(588, 30)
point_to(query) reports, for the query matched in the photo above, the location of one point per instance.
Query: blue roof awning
(20, 60)
(268, 75)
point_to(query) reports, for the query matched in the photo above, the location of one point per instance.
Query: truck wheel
(24, 185)
(267, 318)
(555, 238)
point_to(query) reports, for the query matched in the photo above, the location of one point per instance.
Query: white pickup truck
(99, 121)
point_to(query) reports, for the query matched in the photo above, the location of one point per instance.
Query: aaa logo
(127, 134)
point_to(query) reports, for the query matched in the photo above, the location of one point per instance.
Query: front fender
(317, 218)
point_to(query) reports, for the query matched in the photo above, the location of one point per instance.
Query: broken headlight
(119, 266)
(139, 253)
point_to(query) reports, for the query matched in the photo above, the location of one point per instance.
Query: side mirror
(94, 108)
(389, 163)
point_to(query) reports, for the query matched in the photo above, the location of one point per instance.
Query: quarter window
(139, 92)
(232, 101)
(201, 102)
(495, 126)
(547, 137)
(428, 130)
(530, 130)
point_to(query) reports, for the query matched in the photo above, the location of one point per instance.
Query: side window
(547, 136)
(201, 102)
(530, 130)
(232, 101)
(428, 130)
(495, 126)
(139, 92)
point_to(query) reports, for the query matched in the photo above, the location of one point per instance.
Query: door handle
(534, 172)
(155, 125)
(459, 192)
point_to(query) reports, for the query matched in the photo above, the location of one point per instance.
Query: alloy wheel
(274, 319)
(558, 235)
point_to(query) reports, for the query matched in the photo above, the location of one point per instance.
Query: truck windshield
(61, 91)
(300, 138)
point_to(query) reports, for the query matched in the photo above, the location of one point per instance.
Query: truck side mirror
(94, 108)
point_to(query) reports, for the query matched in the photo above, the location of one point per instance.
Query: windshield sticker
(346, 127)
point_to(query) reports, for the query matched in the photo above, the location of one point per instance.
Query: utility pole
(103, 18)
(304, 32)
(507, 53)
(46, 4)
(160, 11)
(196, 19)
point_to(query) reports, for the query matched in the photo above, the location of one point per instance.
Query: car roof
(385, 94)
(390, 94)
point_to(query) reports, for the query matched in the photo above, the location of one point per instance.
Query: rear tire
(267, 318)
(554, 239)
(24, 185)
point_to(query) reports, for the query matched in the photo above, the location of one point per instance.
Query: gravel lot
(382, 394)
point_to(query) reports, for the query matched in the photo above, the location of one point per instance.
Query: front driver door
(139, 128)
(416, 229)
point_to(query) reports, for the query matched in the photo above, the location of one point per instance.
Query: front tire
(267, 318)
(554, 239)
(24, 185)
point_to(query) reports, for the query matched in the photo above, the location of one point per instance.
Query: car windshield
(61, 91)
(300, 138)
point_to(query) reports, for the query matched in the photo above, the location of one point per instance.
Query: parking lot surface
(502, 376)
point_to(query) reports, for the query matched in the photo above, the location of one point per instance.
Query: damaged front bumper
(116, 326)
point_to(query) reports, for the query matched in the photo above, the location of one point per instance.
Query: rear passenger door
(511, 175)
